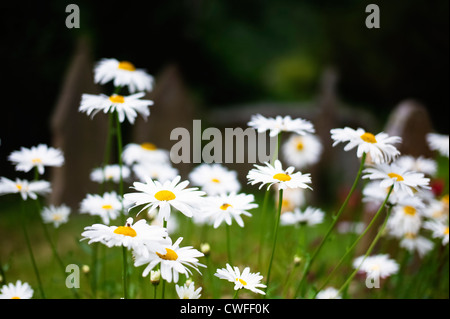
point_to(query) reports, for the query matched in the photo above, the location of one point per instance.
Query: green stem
(263, 233)
(333, 224)
(30, 250)
(125, 272)
(119, 150)
(228, 243)
(369, 250)
(358, 239)
(277, 221)
(163, 288)
(52, 245)
(236, 294)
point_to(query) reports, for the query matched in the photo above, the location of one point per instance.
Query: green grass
(419, 278)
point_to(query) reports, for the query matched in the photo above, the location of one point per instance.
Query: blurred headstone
(411, 121)
(173, 107)
(80, 138)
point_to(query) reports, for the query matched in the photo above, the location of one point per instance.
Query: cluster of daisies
(157, 193)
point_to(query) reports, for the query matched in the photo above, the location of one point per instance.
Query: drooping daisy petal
(277, 175)
(56, 214)
(18, 290)
(122, 73)
(379, 147)
(439, 143)
(37, 156)
(173, 260)
(24, 188)
(280, 124)
(126, 106)
(171, 193)
(247, 280)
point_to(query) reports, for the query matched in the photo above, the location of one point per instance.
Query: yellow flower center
(369, 138)
(409, 210)
(170, 255)
(56, 217)
(241, 281)
(410, 235)
(125, 230)
(15, 297)
(446, 231)
(282, 177)
(36, 161)
(107, 206)
(165, 195)
(215, 180)
(117, 98)
(225, 206)
(125, 65)
(19, 186)
(398, 177)
(148, 146)
(300, 144)
(444, 199)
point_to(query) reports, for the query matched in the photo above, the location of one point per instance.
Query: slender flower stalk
(333, 224)
(119, 150)
(229, 243)
(274, 243)
(30, 251)
(369, 250)
(358, 239)
(125, 272)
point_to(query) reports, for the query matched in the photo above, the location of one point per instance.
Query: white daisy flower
(144, 153)
(24, 188)
(406, 218)
(439, 143)
(126, 106)
(310, 217)
(141, 237)
(215, 179)
(171, 193)
(56, 214)
(37, 156)
(378, 266)
(328, 293)
(379, 147)
(226, 207)
(375, 194)
(110, 173)
(348, 227)
(280, 124)
(123, 73)
(106, 206)
(418, 164)
(302, 151)
(173, 262)
(246, 279)
(157, 171)
(414, 242)
(276, 175)
(436, 209)
(18, 290)
(439, 230)
(292, 198)
(402, 179)
(188, 291)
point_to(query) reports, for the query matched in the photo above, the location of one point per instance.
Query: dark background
(228, 52)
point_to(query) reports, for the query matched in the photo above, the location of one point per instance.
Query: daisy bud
(85, 269)
(155, 277)
(297, 260)
(205, 249)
